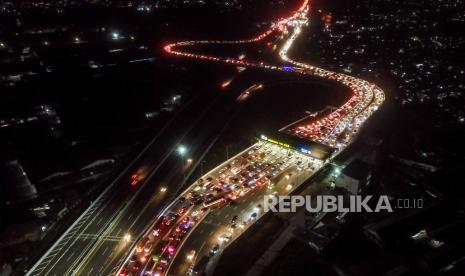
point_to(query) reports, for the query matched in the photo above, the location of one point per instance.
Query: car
(234, 219)
(181, 210)
(225, 238)
(232, 227)
(217, 189)
(215, 249)
(197, 201)
(208, 185)
(161, 246)
(215, 202)
(140, 246)
(190, 256)
(148, 247)
(155, 258)
(253, 216)
(185, 225)
(171, 249)
(134, 264)
(136, 267)
(135, 179)
(123, 271)
(174, 237)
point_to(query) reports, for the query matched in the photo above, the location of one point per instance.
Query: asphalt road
(150, 202)
(93, 243)
(216, 224)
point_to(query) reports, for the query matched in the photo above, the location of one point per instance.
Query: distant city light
(115, 35)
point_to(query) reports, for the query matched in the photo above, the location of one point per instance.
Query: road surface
(176, 246)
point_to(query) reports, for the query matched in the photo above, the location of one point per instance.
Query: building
(355, 177)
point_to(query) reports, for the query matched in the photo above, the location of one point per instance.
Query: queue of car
(231, 182)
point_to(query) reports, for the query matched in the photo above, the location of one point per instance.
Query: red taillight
(225, 84)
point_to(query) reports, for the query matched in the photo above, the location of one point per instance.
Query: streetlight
(115, 35)
(182, 150)
(127, 237)
(337, 172)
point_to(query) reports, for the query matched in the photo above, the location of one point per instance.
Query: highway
(215, 209)
(192, 223)
(201, 136)
(94, 244)
(336, 129)
(218, 227)
(235, 188)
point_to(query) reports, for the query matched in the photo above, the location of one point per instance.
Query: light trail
(336, 129)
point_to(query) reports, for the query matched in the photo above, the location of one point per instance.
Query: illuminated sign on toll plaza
(285, 145)
(307, 147)
(263, 137)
